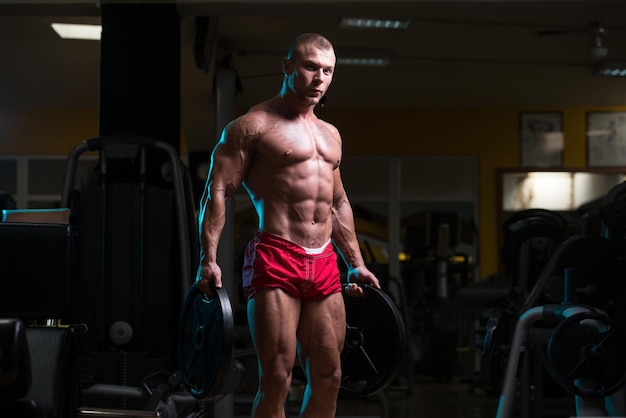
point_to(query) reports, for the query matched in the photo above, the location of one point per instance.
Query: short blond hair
(314, 39)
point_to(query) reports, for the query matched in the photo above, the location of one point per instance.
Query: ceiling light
(366, 23)
(611, 69)
(365, 62)
(76, 31)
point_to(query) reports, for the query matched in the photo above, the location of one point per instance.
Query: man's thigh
(321, 332)
(273, 319)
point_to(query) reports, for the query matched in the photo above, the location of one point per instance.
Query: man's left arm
(344, 236)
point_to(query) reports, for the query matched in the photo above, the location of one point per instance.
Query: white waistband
(318, 250)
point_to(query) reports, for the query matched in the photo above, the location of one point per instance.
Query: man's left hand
(361, 275)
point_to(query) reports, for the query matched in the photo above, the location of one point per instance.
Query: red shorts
(273, 262)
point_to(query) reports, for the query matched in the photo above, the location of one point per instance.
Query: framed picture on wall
(541, 139)
(606, 139)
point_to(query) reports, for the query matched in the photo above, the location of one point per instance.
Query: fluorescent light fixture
(78, 31)
(611, 69)
(366, 23)
(364, 62)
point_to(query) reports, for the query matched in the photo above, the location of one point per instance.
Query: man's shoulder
(327, 125)
(254, 122)
(260, 113)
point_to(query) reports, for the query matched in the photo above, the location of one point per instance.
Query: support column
(140, 71)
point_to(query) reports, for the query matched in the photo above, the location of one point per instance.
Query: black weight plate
(586, 359)
(205, 341)
(375, 340)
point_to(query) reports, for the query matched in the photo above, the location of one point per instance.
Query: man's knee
(276, 379)
(326, 378)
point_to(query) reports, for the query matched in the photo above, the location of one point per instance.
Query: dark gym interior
(484, 160)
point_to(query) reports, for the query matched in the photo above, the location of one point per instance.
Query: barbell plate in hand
(375, 342)
(205, 342)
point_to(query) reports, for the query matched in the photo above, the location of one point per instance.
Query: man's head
(313, 39)
(308, 67)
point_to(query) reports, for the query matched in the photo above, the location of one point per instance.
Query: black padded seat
(36, 271)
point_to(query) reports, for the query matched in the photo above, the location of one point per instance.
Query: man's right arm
(229, 163)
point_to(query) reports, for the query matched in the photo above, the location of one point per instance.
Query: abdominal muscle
(288, 223)
(293, 206)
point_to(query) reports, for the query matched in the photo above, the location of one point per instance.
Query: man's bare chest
(290, 143)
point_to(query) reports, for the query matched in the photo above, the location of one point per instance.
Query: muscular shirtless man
(288, 161)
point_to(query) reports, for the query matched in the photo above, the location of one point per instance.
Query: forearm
(212, 224)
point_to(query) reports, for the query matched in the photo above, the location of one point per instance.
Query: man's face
(310, 72)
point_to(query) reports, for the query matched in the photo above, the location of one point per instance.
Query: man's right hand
(210, 278)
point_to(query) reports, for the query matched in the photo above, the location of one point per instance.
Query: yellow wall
(489, 133)
(45, 130)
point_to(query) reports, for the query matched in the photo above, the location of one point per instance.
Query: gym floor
(426, 399)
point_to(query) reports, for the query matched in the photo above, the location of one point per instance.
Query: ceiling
(455, 53)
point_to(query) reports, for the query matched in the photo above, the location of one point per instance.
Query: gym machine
(571, 327)
(433, 273)
(530, 237)
(133, 259)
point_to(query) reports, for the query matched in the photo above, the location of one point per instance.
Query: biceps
(228, 169)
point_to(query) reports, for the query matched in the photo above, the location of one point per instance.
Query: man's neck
(292, 106)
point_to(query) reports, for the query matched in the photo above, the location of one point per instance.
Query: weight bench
(36, 278)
